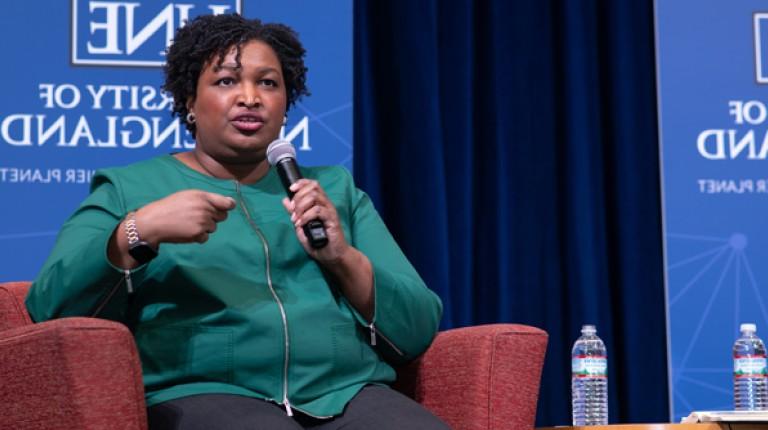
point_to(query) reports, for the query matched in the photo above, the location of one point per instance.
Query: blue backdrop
(81, 92)
(712, 76)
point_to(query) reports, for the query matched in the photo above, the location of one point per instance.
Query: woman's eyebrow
(266, 69)
(236, 68)
(229, 66)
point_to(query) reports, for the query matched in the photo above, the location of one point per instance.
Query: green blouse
(248, 312)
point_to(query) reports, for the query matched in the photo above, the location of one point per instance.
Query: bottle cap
(588, 329)
(750, 327)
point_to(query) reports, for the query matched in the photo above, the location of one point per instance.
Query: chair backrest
(66, 373)
(480, 378)
(13, 311)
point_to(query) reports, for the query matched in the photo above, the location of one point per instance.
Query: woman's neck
(245, 173)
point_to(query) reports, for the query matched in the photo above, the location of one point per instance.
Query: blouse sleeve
(77, 279)
(407, 313)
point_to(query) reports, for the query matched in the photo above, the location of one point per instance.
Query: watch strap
(131, 231)
(139, 249)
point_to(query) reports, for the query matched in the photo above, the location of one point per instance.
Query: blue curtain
(511, 147)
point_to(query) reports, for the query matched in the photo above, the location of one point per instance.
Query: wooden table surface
(702, 426)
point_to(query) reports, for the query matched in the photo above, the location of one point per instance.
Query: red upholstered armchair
(84, 373)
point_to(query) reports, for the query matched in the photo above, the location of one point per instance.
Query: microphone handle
(314, 229)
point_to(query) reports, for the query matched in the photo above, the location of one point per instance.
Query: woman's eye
(225, 82)
(269, 82)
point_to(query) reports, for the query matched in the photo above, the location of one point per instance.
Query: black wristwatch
(140, 250)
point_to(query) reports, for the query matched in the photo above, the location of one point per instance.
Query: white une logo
(132, 33)
(760, 21)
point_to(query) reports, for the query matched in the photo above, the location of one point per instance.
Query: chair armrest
(71, 373)
(13, 311)
(482, 377)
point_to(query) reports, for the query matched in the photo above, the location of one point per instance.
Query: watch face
(142, 252)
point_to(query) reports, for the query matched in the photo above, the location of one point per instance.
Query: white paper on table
(726, 416)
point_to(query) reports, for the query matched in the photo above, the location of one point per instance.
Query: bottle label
(594, 366)
(750, 366)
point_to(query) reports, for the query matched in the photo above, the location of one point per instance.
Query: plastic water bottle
(589, 379)
(750, 376)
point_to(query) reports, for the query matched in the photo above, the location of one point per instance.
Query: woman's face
(239, 110)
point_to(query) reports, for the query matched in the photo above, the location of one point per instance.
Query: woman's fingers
(185, 216)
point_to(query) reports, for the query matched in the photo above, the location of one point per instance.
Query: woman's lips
(249, 126)
(247, 123)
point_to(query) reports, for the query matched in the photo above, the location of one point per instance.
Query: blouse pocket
(348, 351)
(173, 355)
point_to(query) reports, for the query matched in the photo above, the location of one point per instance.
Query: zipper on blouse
(129, 287)
(373, 334)
(389, 342)
(128, 282)
(264, 244)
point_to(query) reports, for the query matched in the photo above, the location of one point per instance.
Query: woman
(238, 321)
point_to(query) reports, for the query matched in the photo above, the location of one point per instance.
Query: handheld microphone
(282, 155)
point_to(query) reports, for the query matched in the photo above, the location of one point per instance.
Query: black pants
(373, 408)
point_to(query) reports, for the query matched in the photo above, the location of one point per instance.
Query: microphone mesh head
(279, 149)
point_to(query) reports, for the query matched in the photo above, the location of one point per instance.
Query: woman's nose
(249, 96)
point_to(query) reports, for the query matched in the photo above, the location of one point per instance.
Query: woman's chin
(244, 155)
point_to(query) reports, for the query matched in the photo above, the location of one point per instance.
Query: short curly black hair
(212, 36)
